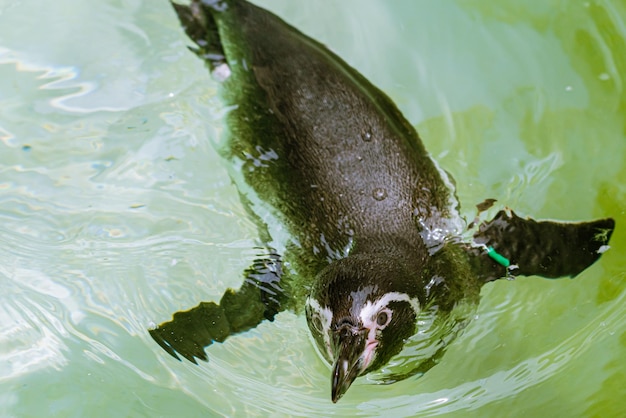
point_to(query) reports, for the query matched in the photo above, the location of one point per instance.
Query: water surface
(116, 211)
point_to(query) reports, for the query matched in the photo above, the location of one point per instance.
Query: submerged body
(375, 236)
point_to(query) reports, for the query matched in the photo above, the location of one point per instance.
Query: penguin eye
(383, 318)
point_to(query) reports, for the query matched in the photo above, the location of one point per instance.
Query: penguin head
(360, 312)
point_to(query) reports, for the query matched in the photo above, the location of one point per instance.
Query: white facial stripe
(326, 317)
(369, 314)
(370, 309)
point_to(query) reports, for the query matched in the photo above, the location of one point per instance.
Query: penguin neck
(408, 248)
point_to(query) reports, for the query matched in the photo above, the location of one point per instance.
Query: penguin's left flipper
(259, 298)
(549, 249)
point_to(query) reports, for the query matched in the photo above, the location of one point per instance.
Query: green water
(115, 210)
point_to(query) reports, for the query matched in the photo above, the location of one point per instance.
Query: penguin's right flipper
(543, 248)
(259, 298)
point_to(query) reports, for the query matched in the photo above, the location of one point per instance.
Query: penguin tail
(200, 25)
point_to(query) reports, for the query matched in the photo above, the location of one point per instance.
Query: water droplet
(569, 88)
(366, 135)
(221, 73)
(379, 193)
(604, 76)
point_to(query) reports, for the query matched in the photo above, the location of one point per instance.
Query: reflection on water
(115, 209)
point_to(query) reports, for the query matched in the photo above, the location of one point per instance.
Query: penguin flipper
(260, 297)
(543, 248)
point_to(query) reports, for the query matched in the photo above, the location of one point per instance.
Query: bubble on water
(221, 73)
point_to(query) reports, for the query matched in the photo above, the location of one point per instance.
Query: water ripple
(115, 209)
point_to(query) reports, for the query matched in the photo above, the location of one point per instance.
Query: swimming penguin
(376, 244)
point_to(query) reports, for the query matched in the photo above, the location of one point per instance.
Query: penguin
(375, 242)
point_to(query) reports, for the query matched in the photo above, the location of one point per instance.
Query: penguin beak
(349, 348)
